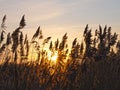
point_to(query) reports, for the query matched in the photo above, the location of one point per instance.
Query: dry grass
(89, 65)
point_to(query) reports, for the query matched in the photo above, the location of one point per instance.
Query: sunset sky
(57, 17)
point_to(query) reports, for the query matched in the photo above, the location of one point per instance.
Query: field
(92, 64)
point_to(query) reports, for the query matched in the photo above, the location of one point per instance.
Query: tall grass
(91, 64)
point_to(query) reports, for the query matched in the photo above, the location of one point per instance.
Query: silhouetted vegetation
(92, 64)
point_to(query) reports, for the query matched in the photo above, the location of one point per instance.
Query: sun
(52, 56)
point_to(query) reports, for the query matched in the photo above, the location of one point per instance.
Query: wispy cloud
(48, 16)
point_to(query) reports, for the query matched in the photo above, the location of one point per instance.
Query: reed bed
(92, 64)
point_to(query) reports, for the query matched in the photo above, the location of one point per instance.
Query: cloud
(48, 16)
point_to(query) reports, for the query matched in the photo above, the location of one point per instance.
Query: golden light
(52, 56)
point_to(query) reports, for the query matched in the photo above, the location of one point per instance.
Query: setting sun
(52, 56)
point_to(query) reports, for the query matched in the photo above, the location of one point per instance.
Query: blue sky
(57, 17)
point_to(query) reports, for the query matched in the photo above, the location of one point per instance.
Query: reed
(91, 64)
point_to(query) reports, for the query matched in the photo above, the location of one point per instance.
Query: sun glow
(52, 56)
